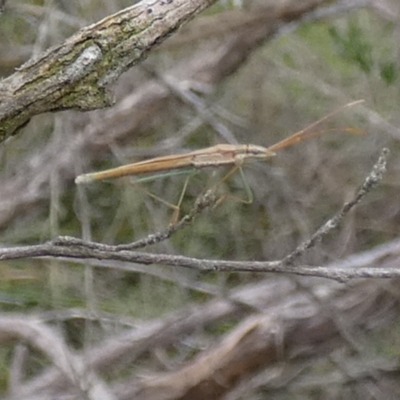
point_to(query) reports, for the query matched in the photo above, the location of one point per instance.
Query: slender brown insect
(215, 156)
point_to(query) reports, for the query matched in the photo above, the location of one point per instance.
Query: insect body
(215, 156)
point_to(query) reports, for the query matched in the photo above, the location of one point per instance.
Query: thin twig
(203, 202)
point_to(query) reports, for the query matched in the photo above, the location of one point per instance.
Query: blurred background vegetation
(292, 79)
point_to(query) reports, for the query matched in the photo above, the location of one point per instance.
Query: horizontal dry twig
(76, 248)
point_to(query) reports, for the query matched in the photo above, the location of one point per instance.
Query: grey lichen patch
(83, 64)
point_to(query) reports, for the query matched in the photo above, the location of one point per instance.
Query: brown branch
(294, 328)
(75, 74)
(291, 319)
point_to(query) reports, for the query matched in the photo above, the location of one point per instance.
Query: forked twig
(370, 183)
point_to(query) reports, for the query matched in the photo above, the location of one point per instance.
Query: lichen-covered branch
(75, 74)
